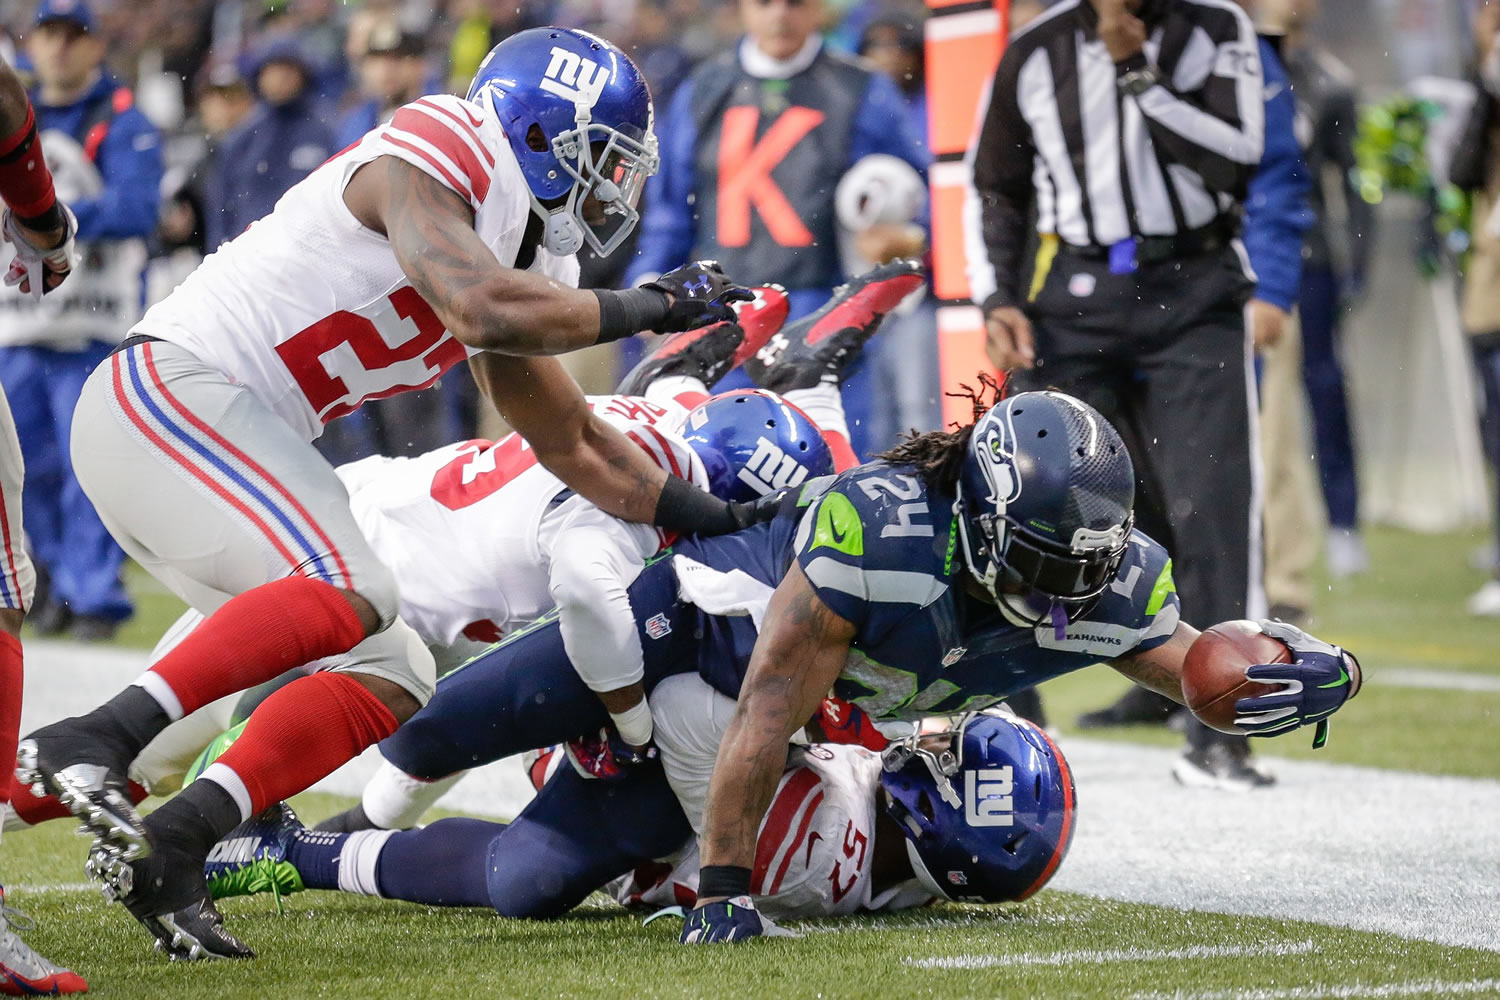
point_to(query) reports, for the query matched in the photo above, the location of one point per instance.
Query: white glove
(33, 265)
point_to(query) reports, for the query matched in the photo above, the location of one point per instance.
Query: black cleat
(1136, 707)
(88, 776)
(705, 353)
(818, 348)
(351, 820)
(166, 892)
(1222, 767)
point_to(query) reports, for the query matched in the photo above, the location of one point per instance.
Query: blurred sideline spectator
(907, 396)
(282, 140)
(392, 72)
(752, 149)
(106, 160)
(1476, 167)
(1335, 261)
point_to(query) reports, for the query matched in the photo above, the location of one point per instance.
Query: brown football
(1213, 672)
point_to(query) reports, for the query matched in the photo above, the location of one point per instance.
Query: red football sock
(843, 453)
(25, 181)
(254, 637)
(303, 732)
(11, 674)
(31, 809)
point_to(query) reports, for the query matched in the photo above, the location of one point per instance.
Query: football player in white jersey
(981, 812)
(447, 233)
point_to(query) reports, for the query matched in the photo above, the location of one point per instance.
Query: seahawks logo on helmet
(996, 444)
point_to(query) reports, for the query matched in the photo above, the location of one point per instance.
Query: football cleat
(1221, 767)
(23, 972)
(818, 348)
(705, 353)
(761, 318)
(89, 778)
(165, 891)
(251, 858)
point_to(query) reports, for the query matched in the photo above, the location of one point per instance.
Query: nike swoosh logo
(1343, 679)
(476, 122)
(812, 838)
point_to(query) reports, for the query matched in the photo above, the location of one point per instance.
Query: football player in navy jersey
(963, 566)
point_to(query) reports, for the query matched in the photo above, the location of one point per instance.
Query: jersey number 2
(380, 369)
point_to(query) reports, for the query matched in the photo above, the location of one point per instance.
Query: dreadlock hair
(937, 456)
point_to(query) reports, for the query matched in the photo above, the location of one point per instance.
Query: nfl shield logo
(657, 626)
(954, 655)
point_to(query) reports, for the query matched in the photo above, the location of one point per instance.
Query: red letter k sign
(745, 175)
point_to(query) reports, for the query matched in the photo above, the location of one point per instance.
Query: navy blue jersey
(880, 549)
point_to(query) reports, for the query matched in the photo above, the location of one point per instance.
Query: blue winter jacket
(128, 158)
(1276, 210)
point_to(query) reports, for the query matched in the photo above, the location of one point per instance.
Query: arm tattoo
(432, 233)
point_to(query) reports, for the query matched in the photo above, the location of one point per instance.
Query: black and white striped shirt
(1102, 166)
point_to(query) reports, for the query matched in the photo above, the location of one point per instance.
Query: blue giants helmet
(754, 442)
(1044, 506)
(987, 808)
(594, 115)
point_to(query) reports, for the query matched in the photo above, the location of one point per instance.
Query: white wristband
(634, 724)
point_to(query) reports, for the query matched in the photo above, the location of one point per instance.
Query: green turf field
(1057, 945)
(1405, 617)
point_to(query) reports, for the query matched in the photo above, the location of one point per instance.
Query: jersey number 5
(369, 366)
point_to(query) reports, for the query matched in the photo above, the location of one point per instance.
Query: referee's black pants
(1164, 354)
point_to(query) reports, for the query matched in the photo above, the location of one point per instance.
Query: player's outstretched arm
(802, 648)
(1160, 668)
(35, 222)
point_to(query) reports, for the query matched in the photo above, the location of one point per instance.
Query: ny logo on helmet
(770, 468)
(996, 449)
(574, 78)
(987, 797)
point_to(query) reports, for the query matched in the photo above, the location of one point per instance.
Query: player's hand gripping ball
(1266, 678)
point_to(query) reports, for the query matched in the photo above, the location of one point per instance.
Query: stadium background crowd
(250, 95)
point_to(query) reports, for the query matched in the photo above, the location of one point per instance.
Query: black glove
(701, 293)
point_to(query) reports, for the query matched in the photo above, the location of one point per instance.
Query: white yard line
(1410, 854)
(1436, 680)
(1424, 988)
(1102, 957)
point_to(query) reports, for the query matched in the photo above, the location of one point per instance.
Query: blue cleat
(251, 859)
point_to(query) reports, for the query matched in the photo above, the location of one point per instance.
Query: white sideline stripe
(1101, 957)
(1436, 680)
(1423, 987)
(26, 887)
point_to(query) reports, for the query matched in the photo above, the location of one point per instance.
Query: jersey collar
(762, 66)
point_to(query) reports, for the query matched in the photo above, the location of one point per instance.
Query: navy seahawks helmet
(1044, 508)
(595, 115)
(987, 808)
(753, 442)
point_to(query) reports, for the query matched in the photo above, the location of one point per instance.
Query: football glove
(729, 920)
(701, 294)
(606, 756)
(845, 722)
(1320, 678)
(36, 269)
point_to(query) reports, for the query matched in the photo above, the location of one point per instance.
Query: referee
(1130, 129)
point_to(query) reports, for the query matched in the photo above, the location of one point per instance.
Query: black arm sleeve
(1000, 161)
(1340, 120)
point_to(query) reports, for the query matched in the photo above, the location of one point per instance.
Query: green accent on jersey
(1342, 680)
(838, 526)
(1164, 586)
(952, 546)
(213, 752)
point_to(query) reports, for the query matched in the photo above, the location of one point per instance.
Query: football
(1213, 673)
